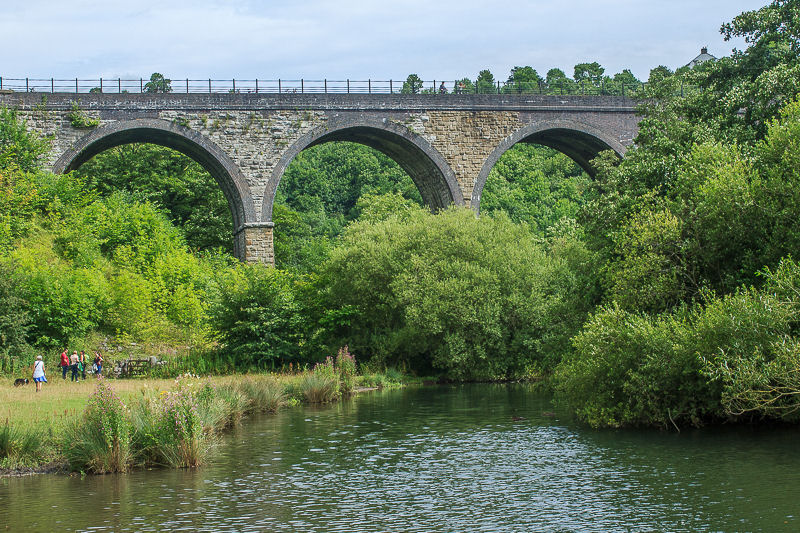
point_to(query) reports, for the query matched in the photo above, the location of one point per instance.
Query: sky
(357, 39)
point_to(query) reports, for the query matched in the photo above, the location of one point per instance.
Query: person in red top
(64, 364)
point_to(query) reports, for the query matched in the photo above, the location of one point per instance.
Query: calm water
(438, 459)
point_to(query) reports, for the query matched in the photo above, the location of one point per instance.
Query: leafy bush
(14, 324)
(763, 379)
(677, 368)
(257, 316)
(80, 119)
(475, 298)
(19, 148)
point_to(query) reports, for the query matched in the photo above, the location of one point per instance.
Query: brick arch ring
(165, 133)
(430, 172)
(581, 142)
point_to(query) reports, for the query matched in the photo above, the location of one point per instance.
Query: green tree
(18, 147)
(412, 85)
(158, 84)
(486, 83)
(558, 82)
(188, 194)
(464, 85)
(472, 298)
(659, 73)
(523, 80)
(622, 82)
(535, 185)
(14, 322)
(588, 74)
(338, 174)
(258, 316)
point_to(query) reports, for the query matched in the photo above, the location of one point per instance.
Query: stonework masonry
(447, 144)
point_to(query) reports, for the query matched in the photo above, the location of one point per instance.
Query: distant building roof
(702, 58)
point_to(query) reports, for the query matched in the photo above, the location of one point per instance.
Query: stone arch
(190, 143)
(430, 172)
(580, 141)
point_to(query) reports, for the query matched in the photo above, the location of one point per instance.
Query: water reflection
(461, 458)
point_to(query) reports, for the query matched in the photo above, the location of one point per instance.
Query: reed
(265, 394)
(19, 446)
(230, 405)
(320, 385)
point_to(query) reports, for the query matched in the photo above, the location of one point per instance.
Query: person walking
(82, 364)
(442, 89)
(64, 364)
(73, 365)
(98, 364)
(38, 373)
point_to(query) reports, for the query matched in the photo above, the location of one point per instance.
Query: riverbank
(99, 426)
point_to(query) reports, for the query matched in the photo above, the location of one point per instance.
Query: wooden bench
(128, 368)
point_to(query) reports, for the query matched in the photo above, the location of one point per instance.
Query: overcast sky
(314, 39)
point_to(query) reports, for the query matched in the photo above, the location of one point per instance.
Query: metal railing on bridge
(323, 86)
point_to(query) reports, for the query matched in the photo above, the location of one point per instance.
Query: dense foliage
(683, 228)
(318, 196)
(186, 193)
(537, 185)
(477, 298)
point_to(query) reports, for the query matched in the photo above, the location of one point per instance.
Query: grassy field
(62, 400)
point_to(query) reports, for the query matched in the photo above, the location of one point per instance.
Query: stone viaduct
(446, 143)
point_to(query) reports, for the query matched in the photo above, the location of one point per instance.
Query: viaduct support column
(253, 243)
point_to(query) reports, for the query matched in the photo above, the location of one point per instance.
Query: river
(449, 458)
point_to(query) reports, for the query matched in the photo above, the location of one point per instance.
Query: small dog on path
(20, 382)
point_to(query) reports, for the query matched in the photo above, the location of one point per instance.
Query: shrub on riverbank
(474, 298)
(734, 357)
(258, 316)
(346, 368)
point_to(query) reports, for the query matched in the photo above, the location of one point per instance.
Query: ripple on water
(438, 459)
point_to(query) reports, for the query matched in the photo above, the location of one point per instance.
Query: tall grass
(19, 446)
(180, 437)
(320, 385)
(227, 408)
(265, 394)
(144, 423)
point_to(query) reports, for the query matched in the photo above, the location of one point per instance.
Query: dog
(20, 382)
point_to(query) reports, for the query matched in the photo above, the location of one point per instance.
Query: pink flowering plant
(178, 434)
(346, 368)
(100, 441)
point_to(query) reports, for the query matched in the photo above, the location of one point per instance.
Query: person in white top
(38, 373)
